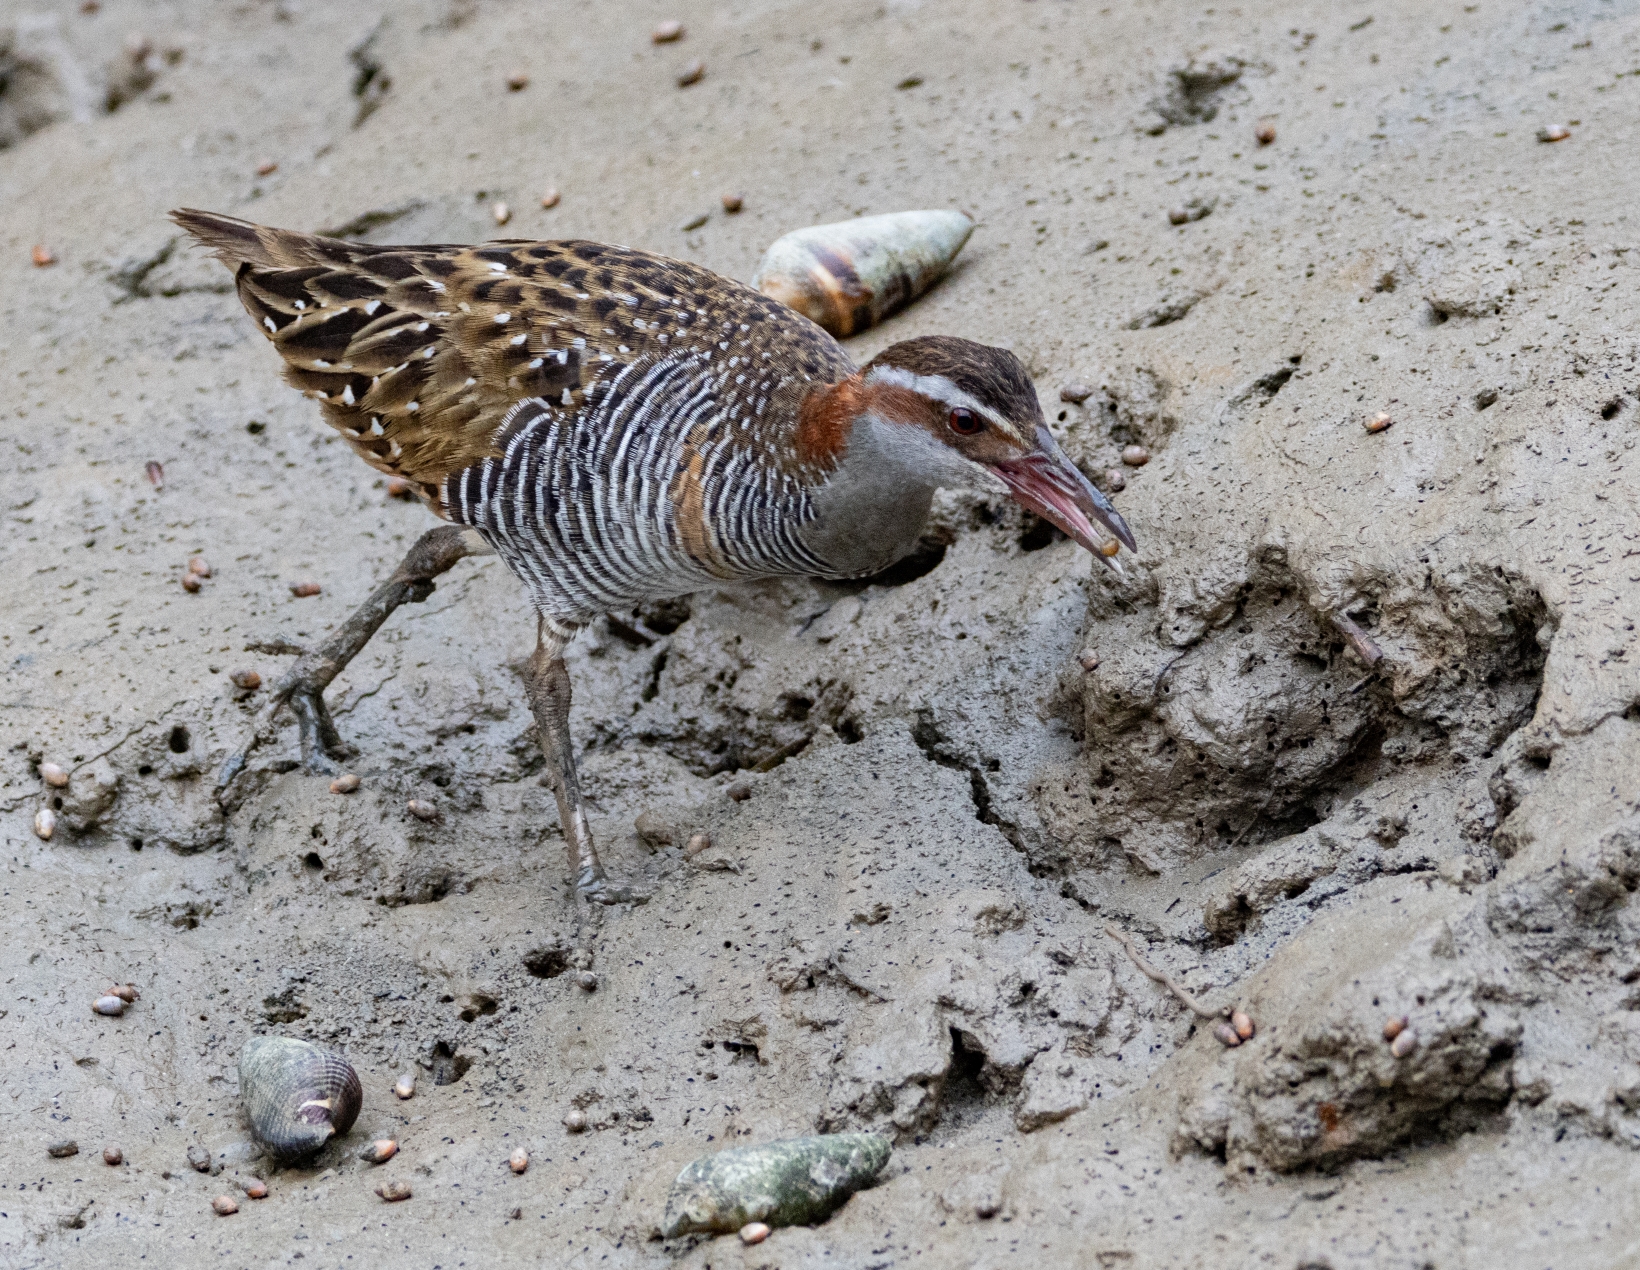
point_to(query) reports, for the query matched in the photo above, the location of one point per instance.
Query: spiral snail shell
(851, 275)
(297, 1095)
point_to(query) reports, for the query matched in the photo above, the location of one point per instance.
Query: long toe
(603, 890)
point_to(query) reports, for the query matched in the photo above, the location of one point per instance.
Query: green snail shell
(298, 1096)
(790, 1183)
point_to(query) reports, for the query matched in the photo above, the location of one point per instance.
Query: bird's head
(967, 415)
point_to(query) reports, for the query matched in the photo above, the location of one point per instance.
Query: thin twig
(1359, 640)
(1160, 976)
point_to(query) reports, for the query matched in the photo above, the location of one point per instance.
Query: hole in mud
(1485, 397)
(547, 963)
(179, 740)
(1038, 533)
(57, 804)
(446, 1065)
(256, 427)
(145, 770)
(964, 1090)
(479, 1003)
(1610, 409)
(1438, 317)
(136, 844)
(849, 730)
(313, 862)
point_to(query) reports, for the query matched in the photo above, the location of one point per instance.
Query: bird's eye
(965, 422)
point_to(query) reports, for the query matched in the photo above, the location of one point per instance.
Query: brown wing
(417, 353)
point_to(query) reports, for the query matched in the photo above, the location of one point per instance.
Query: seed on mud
(753, 1232)
(346, 783)
(398, 487)
(297, 1096)
(1226, 1035)
(1265, 133)
(795, 1182)
(517, 82)
(1088, 659)
(1395, 1027)
(379, 1152)
(156, 474)
(53, 775)
(421, 809)
(1075, 392)
(691, 74)
(254, 1188)
(225, 1205)
(267, 167)
(405, 1085)
(586, 981)
(519, 1160)
(199, 1159)
(112, 1006)
(502, 213)
(1404, 1043)
(249, 680)
(45, 824)
(199, 565)
(393, 1192)
(549, 199)
(697, 843)
(304, 589)
(126, 992)
(666, 32)
(1378, 422)
(576, 1121)
(190, 582)
(62, 1149)
(1115, 480)
(1135, 456)
(1554, 132)
(1177, 215)
(732, 203)
(739, 791)
(1242, 1023)
(1109, 547)
(42, 256)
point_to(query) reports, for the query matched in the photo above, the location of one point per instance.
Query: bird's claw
(595, 888)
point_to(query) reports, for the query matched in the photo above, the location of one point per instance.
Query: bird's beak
(1049, 484)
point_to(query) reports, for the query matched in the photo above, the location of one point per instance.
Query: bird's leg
(302, 687)
(549, 691)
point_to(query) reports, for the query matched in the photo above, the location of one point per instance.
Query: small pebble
(305, 589)
(753, 1232)
(1242, 1023)
(42, 256)
(517, 82)
(1088, 659)
(346, 783)
(1177, 215)
(422, 809)
(113, 1155)
(45, 824)
(1226, 1035)
(156, 474)
(249, 680)
(267, 167)
(379, 1152)
(1395, 1027)
(393, 1192)
(405, 1086)
(254, 1188)
(1404, 1043)
(1554, 132)
(1266, 133)
(1378, 422)
(586, 981)
(697, 843)
(549, 199)
(1135, 456)
(502, 213)
(62, 1149)
(1115, 479)
(199, 565)
(517, 1214)
(126, 992)
(190, 582)
(691, 74)
(732, 203)
(53, 775)
(398, 487)
(575, 1121)
(1075, 393)
(519, 1160)
(739, 791)
(225, 1205)
(667, 31)
(199, 1159)
(112, 1006)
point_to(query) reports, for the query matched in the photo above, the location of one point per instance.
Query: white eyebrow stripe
(940, 388)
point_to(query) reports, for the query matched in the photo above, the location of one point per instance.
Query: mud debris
(199, 1159)
(62, 1149)
(787, 1183)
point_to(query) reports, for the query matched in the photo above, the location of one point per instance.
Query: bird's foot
(320, 741)
(595, 887)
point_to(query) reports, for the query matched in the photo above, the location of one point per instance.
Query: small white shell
(45, 823)
(851, 275)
